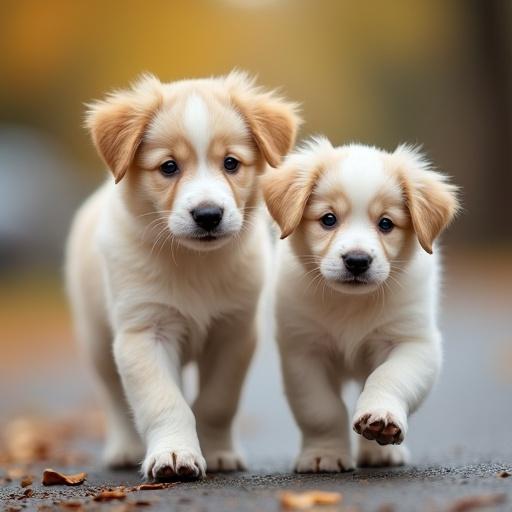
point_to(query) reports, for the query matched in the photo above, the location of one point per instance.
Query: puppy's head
(187, 155)
(357, 213)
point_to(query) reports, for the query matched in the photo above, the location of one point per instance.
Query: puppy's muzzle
(207, 217)
(357, 262)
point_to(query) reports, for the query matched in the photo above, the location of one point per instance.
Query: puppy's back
(82, 260)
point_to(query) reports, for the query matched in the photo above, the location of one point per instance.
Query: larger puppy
(166, 266)
(357, 294)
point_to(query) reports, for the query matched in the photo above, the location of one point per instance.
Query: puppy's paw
(174, 464)
(224, 461)
(381, 426)
(123, 455)
(323, 461)
(374, 455)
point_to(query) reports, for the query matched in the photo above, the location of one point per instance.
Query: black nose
(357, 262)
(207, 217)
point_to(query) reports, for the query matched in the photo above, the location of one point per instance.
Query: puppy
(165, 265)
(357, 294)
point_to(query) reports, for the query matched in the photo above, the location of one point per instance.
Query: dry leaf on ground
(504, 474)
(29, 439)
(26, 480)
(111, 494)
(72, 505)
(52, 477)
(303, 500)
(475, 502)
(153, 486)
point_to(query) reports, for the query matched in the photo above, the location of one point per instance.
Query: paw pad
(384, 431)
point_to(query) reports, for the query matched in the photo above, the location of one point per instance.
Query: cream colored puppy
(357, 294)
(166, 265)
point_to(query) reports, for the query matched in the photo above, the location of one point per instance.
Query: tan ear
(286, 198)
(272, 120)
(287, 190)
(118, 122)
(432, 201)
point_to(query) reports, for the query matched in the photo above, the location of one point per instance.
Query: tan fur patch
(272, 121)
(117, 124)
(432, 201)
(286, 193)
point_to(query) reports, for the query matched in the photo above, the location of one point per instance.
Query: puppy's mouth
(206, 240)
(209, 237)
(355, 281)
(352, 284)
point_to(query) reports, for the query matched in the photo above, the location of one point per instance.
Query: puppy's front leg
(396, 388)
(150, 369)
(313, 391)
(222, 369)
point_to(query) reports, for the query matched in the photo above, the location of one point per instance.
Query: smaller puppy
(357, 294)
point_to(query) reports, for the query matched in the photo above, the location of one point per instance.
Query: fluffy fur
(150, 290)
(378, 327)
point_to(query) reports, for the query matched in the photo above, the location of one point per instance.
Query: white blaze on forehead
(362, 175)
(196, 119)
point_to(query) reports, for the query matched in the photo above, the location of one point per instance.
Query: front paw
(173, 464)
(321, 460)
(224, 461)
(381, 426)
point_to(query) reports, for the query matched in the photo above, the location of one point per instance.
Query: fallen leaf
(28, 493)
(474, 502)
(152, 487)
(504, 474)
(52, 477)
(308, 499)
(111, 494)
(26, 481)
(26, 440)
(74, 505)
(29, 439)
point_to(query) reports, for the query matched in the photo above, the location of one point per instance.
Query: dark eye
(231, 164)
(329, 220)
(169, 168)
(386, 225)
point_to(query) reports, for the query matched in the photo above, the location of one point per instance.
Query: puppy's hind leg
(123, 446)
(222, 369)
(313, 391)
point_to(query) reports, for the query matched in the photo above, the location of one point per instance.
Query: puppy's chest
(352, 330)
(199, 296)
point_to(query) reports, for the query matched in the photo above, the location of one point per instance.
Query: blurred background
(378, 71)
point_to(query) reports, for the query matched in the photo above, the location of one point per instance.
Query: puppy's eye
(169, 168)
(386, 225)
(329, 220)
(231, 164)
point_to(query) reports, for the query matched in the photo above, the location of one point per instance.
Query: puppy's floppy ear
(287, 189)
(431, 200)
(118, 122)
(272, 120)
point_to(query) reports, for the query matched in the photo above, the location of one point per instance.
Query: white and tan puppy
(357, 294)
(166, 265)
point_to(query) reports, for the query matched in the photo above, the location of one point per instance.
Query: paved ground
(460, 439)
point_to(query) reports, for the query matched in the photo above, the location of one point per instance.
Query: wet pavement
(460, 440)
